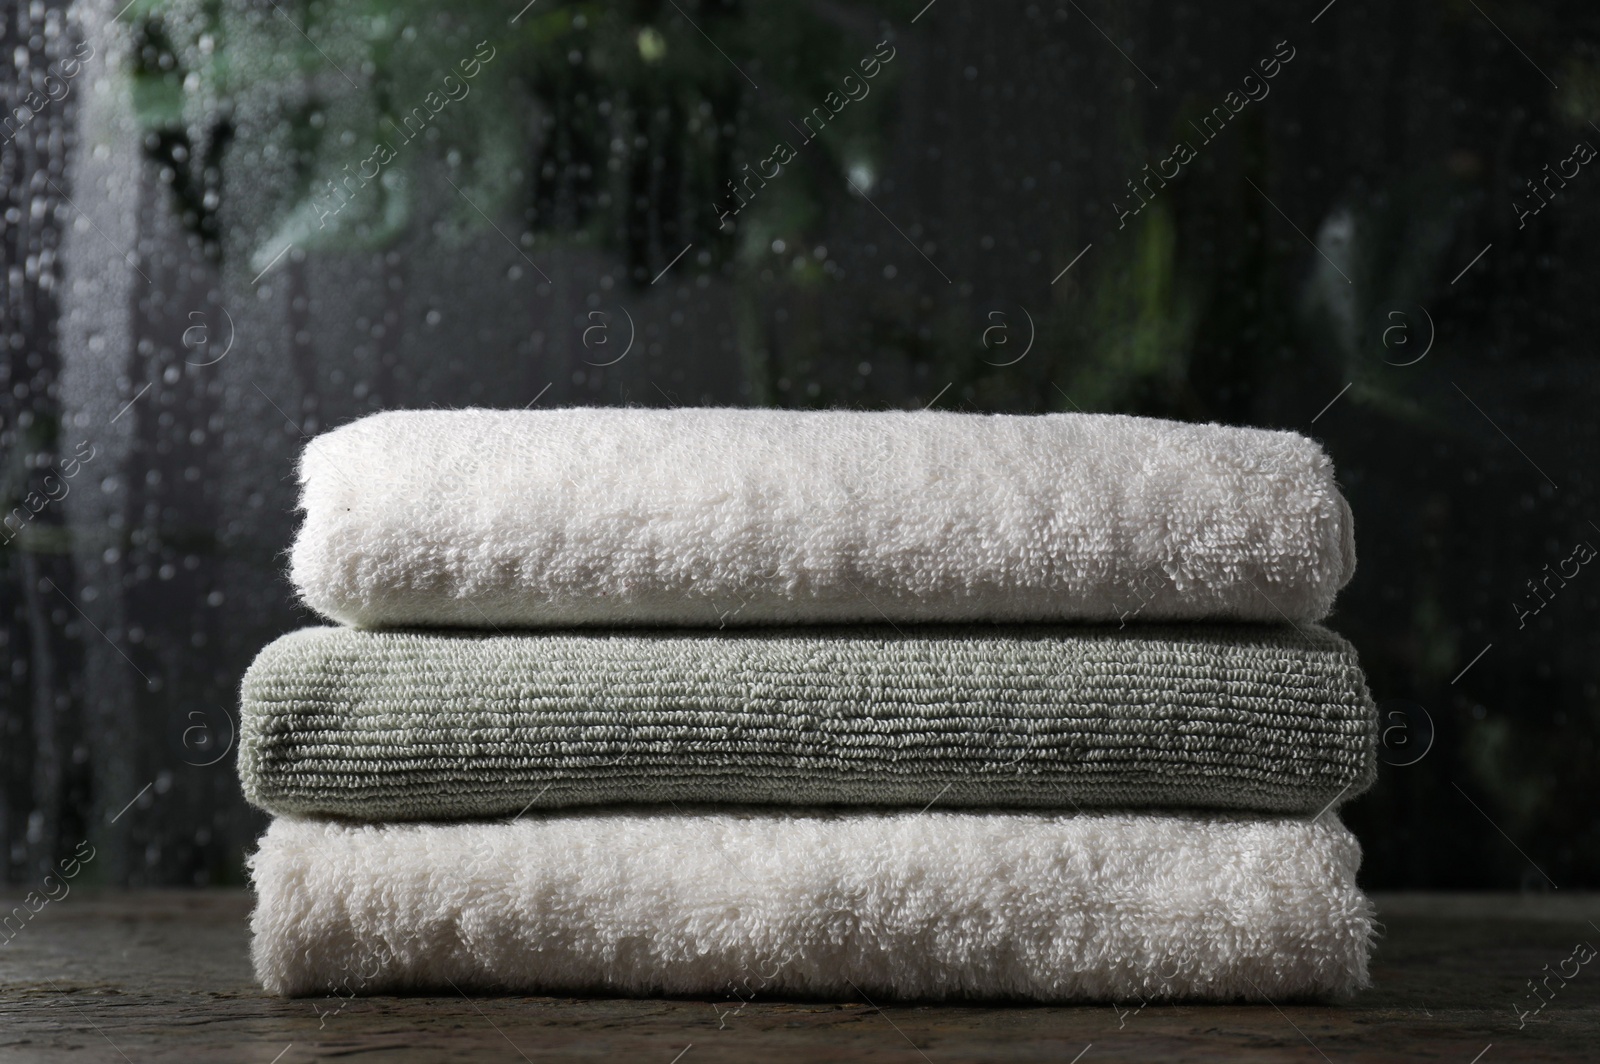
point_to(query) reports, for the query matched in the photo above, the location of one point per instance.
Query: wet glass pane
(232, 225)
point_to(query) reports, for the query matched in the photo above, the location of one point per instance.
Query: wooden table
(166, 976)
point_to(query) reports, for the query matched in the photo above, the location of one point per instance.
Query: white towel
(923, 905)
(718, 517)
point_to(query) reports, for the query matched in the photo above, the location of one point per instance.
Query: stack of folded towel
(912, 705)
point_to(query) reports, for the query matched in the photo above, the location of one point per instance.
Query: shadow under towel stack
(715, 702)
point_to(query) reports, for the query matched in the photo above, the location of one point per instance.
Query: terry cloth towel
(423, 725)
(482, 518)
(929, 905)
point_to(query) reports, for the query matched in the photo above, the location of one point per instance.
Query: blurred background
(232, 224)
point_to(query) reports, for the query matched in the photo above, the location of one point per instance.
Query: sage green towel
(422, 725)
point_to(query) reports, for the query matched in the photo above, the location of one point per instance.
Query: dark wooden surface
(166, 976)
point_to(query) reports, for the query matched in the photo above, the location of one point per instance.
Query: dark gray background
(1364, 212)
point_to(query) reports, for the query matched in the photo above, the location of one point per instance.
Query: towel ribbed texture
(929, 905)
(482, 518)
(655, 766)
(412, 725)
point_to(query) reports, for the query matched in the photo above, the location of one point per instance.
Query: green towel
(398, 725)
